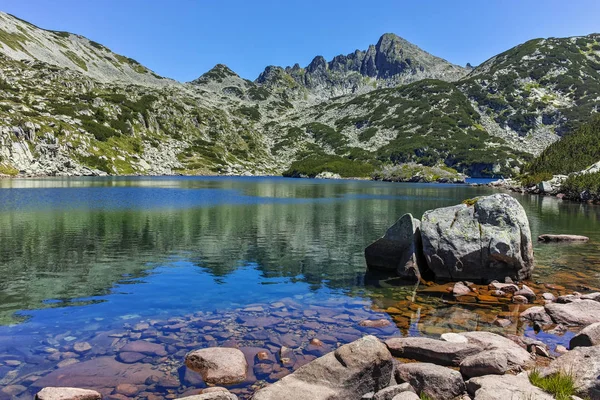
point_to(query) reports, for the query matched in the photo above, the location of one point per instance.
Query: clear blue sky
(182, 39)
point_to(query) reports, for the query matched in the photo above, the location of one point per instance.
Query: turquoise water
(80, 257)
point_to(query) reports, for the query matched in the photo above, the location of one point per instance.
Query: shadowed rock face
(486, 241)
(399, 249)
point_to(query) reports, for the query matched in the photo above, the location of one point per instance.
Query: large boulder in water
(486, 238)
(399, 250)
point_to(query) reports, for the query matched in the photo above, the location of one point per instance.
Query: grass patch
(561, 385)
(8, 170)
(76, 59)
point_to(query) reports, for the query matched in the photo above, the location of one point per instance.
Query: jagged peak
(216, 74)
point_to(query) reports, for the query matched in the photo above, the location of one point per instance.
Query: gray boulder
(583, 364)
(348, 373)
(437, 382)
(431, 350)
(576, 313)
(488, 240)
(218, 365)
(399, 250)
(212, 395)
(499, 356)
(505, 387)
(589, 336)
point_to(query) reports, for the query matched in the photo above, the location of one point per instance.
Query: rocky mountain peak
(390, 62)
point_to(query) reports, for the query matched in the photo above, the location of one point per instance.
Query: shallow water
(251, 262)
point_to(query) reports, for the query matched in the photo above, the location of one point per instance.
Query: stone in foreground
(348, 373)
(218, 365)
(583, 364)
(431, 350)
(589, 336)
(213, 395)
(499, 356)
(437, 382)
(486, 241)
(398, 250)
(562, 238)
(392, 391)
(505, 387)
(67, 393)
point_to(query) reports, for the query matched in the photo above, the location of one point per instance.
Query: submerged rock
(348, 373)
(67, 393)
(398, 250)
(218, 365)
(488, 240)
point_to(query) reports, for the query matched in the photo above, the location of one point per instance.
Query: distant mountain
(391, 62)
(70, 106)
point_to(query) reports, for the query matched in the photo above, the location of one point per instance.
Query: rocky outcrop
(399, 250)
(348, 373)
(218, 365)
(485, 240)
(67, 393)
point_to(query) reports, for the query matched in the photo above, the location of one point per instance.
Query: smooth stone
(129, 357)
(437, 382)
(577, 313)
(347, 373)
(591, 296)
(505, 287)
(67, 393)
(391, 391)
(460, 289)
(562, 238)
(127, 389)
(536, 314)
(145, 347)
(216, 395)
(589, 336)
(505, 387)
(548, 297)
(526, 292)
(378, 323)
(519, 299)
(218, 365)
(431, 350)
(82, 347)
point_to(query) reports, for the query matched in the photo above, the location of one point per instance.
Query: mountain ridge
(389, 104)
